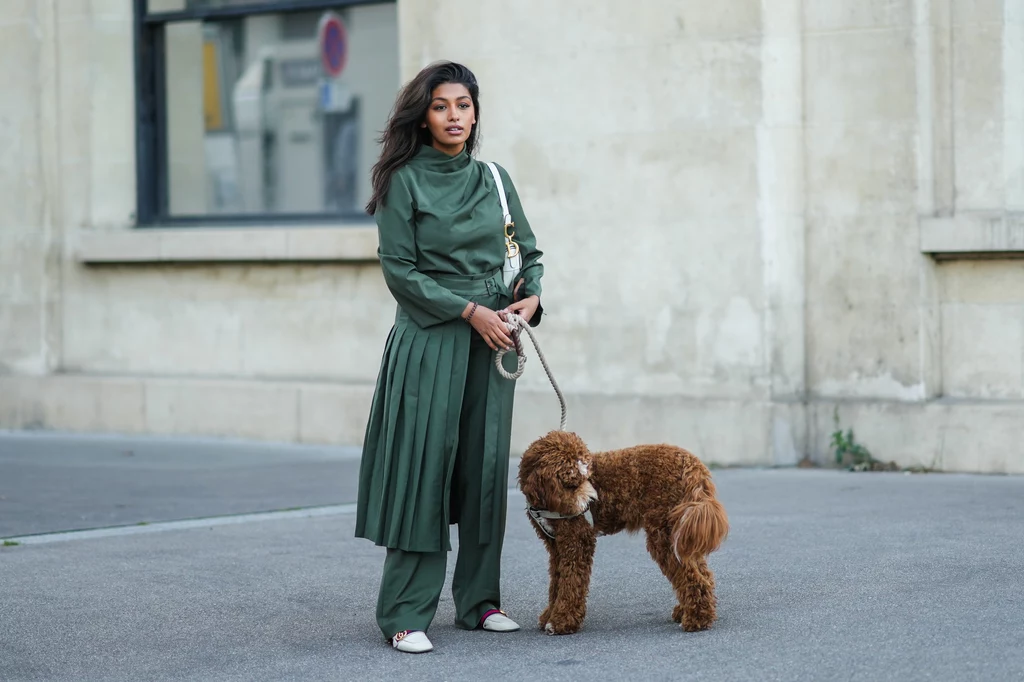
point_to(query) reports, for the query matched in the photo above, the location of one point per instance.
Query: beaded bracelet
(471, 312)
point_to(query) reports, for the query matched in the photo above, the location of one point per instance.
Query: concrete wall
(31, 186)
(756, 215)
(636, 141)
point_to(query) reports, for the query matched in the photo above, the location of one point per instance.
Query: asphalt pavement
(826, 575)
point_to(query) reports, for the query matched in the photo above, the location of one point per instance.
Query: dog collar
(543, 518)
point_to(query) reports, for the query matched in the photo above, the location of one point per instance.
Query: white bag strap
(501, 192)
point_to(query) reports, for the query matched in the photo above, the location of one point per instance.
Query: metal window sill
(227, 245)
(974, 235)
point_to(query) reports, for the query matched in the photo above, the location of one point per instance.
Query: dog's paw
(677, 614)
(545, 616)
(561, 628)
(691, 624)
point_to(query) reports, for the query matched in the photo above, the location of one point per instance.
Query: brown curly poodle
(662, 489)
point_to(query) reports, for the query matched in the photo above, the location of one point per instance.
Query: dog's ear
(539, 489)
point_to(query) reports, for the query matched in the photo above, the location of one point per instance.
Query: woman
(437, 443)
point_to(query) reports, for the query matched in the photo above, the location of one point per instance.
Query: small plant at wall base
(852, 455)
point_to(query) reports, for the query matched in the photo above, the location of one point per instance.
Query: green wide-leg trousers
(412, 581)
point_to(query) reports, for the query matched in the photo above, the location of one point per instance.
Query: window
(254, 111)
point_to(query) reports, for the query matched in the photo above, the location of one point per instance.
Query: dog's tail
(699, 522)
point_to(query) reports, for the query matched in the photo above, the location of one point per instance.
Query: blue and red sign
(333, 44)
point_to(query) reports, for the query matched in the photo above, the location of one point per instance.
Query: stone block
(75, 11)
(22, 197)
(18, 11)
(860, 76)
(906, 433)
(431, 31)
(979, 178)
(866, 260)
(21, 173)
(729, 358)
(978, 114)
(225, 245)
(22, 343)
(951, 436)
(744, 18)
(22, 43)
(989, 282)
(860, 169)
(978, 11)
(107, 10)
(870, 351)
(666, 87)
(666, 177)
(977, 73)
(788, 433)
(76, 191)
(847, 15)
(24, 259)
(708, 428)
(112, 121)
(113, 199)
(311, 340)
(334, 413)
(204, 282)
(354, 243)
(75, 92)
(96, 404)
(981, 437)
(229, 244)
(983, 350)
(233, 409)
(709, 83)
(113, 246)
(113, 91)
(988, 234)
(168, 336)
(11, 388)
(784, 324)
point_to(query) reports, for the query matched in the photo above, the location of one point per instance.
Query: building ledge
(974, 235)
(227, 245)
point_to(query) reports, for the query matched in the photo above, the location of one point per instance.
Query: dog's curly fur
(662, 489)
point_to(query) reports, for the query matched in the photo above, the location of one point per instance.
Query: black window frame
(151, 169)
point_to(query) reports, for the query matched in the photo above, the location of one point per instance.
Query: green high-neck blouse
(441, 217)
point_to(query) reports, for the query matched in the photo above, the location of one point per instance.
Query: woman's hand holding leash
(525, 308)
(489, 325)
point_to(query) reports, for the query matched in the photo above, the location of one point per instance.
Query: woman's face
(450, 117)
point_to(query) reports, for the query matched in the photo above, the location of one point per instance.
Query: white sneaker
(412, 642)
(499, 622)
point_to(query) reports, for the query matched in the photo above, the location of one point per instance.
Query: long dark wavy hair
(404, 135)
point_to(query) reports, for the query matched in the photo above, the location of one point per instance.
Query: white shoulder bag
(513, 259)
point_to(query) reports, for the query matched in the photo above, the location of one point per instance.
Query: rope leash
(515, 324)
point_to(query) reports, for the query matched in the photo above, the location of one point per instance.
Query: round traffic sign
(333, 44)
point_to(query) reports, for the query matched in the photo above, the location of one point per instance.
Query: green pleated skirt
(431, 381)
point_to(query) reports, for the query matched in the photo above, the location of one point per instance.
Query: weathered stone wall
(756, 216)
